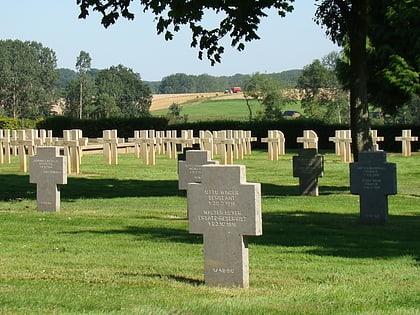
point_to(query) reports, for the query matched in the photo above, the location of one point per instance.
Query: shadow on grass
(157, 234)
(18, 187)
(331, 234)
(272, 190)
(177, 278)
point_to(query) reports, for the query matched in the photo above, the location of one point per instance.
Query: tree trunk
(359, 113)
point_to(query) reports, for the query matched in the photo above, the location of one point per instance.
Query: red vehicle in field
(236, 89)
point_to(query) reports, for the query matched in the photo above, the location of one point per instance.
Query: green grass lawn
(220, 109)
(120, 245)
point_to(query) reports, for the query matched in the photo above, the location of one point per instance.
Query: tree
(347, 21)
(83, 66)
(177, 83)
(131, 95)
(27, 78)
(267, 92)
(323, 96)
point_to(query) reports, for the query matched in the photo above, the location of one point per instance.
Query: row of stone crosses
(223, 206)
(229, 144)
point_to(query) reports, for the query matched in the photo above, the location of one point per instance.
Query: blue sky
(285, 44)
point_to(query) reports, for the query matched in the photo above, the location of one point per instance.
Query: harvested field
(163, 101)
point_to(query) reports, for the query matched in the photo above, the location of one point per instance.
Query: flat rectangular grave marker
(308, 166)
(190, 169)
(373, 179)
(225, 209)
(47, 170)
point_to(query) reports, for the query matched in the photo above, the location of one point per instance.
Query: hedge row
(291, 129)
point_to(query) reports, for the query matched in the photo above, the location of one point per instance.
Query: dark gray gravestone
(189, 171)
(47, 169)
(308, 166)
(225, 209)
(373, 178)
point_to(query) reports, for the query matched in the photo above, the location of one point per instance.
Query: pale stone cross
(308, 166)
(189, 170)
(147, 147)
(375, 139)
(225, 209)
(206, 141)
(225, 147)
(309, 139)
(248, 141)
(47, 170)
(373, 179)
(275, 141)
(110, 141)
(20, 142)
(5, 146)
(406, 140)
(73, 144)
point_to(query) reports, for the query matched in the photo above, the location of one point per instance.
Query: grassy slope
(214, 109)
(121, 245)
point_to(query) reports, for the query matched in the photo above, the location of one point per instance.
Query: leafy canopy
(240, 19)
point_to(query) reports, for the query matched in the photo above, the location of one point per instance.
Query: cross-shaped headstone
(147, 147)
(375, 139)
(5, 146)
(309, 139)
(308, 166)
(206, 141)
(110, 141)
(406, 140)
(373, 178)
(73, 144)
(47, 170)
(225, 209)
(248, 141)
(224, 147)
(189, 170)
(20, 142)
(275, 141)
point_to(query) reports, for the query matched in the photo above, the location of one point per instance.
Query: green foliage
(268, 92)
(93, 127)
(15, 123)
(28, 76)
(323, 97)
(174, 114)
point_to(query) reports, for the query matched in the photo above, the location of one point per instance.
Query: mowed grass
(120, 245)
(221, 109)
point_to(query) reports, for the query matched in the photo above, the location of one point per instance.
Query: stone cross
(225, 209)
(308, 166)
(248, 141)
(342, 141)
(206, 141)
(47, 169)
(73, 144)
(110, 141)
(309, 139)
(5, 146)
(147, 147)
(189, 170)
(225, 147)
(275, 141)
(373, 179)
(406, 140)
(376, 139)
(20, 142)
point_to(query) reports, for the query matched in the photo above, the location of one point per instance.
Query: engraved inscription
(221, 210)
(194, 171)
(371, 177)
(46, 165)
